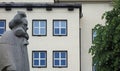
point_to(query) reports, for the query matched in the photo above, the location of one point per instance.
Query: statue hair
(17, 19)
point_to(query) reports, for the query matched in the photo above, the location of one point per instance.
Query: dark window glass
(39, 59)
(2, 26)
(60, 59)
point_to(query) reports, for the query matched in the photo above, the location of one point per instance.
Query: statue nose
(27, 28)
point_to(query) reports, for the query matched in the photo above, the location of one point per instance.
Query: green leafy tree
(106, 45)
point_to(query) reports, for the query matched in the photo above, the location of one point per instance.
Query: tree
(106, 45)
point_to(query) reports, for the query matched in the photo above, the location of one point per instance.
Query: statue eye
(25, 25)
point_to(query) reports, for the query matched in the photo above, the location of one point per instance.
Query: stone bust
(13, 45)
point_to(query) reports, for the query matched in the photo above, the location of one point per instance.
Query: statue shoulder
(6, 37)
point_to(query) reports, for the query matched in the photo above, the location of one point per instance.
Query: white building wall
(42, 1)
(92, 12)
(49, 43)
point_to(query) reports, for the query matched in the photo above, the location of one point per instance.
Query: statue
(13, 45)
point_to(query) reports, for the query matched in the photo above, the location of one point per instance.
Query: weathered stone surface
(13, 45)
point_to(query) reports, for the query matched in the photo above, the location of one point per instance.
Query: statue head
(19, 24)
(19, 20)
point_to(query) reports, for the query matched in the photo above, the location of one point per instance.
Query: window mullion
(42, 27)
(1, 27)
(39, 58)
(33, 59)
(39, 27)
(54, 59)
(59, 27)
(60, 59)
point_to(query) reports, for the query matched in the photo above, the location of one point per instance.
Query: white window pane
(42, 31)
(39, 27)
(63, 23)
(36, 31)
(2, 23)
(35, 23)
(56, 23)
(42, 23)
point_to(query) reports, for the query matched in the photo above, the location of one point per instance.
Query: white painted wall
(42, 1)
(50, 42)
(92, 13)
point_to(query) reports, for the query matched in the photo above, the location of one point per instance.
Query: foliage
(106, 45)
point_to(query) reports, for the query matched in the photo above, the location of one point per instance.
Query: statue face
(24, 24)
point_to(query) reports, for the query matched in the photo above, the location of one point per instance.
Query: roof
(48, 6)
(38, 5)
(82, 0)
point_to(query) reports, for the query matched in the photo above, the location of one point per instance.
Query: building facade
(60, 32)
(53, 32)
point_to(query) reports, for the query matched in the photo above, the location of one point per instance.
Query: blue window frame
(2, 26)
(60, 59)
(39, 59)
(39, 28)
(59, 27)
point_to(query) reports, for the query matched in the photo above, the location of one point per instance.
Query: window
(39, 27)
(60, 27)
(2, 26)
(94, 67)
(39, 59)
(93, 34)
(60, 59)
